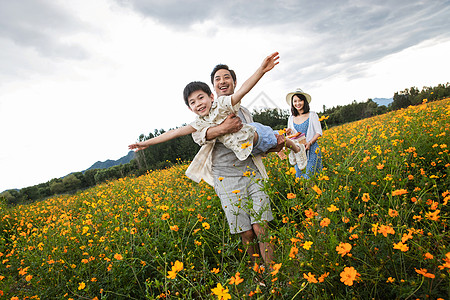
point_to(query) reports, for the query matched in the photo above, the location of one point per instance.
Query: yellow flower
(307, 245)
(236, 191)
(332, 208)
(174, 228)
(29, 277)
(81, 286)
(206, 225)
(220, 292)
(246, 145)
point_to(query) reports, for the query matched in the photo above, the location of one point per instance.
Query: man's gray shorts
(248, 206)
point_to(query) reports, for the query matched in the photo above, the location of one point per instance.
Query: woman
(305, 121)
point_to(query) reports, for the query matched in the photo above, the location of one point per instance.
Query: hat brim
(289, 97)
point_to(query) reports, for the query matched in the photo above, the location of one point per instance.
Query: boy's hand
(269, 62)
(137, 146)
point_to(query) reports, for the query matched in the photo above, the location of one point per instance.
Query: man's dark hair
(294, 111)
(193, 87)
(220, 67)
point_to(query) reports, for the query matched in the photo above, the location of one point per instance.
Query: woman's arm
(166, 136)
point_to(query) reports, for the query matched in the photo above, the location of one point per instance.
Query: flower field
(374, 224)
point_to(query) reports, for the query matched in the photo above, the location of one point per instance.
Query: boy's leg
(265, 247)
(248, 240)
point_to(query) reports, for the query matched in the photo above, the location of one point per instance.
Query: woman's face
(297, 103)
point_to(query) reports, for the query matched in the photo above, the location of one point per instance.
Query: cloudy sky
(80, 80)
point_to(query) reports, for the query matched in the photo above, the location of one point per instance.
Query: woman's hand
(307, 146)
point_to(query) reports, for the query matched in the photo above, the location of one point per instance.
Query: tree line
(184, 149)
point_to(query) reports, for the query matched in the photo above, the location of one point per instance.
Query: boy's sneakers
(300, 157)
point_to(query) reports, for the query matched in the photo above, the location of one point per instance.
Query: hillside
(111, 163)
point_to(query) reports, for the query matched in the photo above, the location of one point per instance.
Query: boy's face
(223, 83)
(200, 102)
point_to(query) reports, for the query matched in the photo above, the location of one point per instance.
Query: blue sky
(80, 80)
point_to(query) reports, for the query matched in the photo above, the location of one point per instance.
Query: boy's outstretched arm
(268, 64)
(166, 136)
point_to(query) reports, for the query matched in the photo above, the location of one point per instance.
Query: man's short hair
(193, 87)
(220, 67)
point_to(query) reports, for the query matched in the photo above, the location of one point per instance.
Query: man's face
(223, 83)
(200, 102)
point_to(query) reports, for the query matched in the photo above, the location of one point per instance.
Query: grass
(373, 224)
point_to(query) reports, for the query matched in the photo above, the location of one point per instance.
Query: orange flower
(174, 228)
(118, 256)
(236, 279)
(384, 230)
(165, 216)
(400, 246)
(325, 222)
(276, 268)
(424, 273)
(206, 225)
(343, 249)
(365, 197)
(393, 213)
(310, 213)
(399, 192)
(317, 190)
(291, 196)
(310, 277)
(433, 216)
(349, 275)
(323, 276)
(428, 255)
(215, 270)
(177, 267)
(293, 252)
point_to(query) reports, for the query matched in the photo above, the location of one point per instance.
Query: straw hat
(297, 91)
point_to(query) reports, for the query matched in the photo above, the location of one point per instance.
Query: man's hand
(231, 124)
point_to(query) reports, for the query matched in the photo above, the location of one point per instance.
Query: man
(228, 175)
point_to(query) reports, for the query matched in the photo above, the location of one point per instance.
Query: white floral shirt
(219, 111)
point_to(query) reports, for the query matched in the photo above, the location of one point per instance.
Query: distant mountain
(383, 101)
(111, 163)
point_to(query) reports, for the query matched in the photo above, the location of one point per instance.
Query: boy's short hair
(193, 87)
(220, 67)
